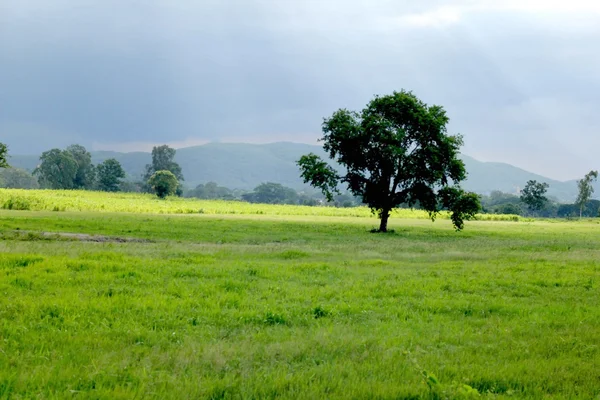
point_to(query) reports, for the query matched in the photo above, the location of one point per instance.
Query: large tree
(585, 190)
(3, 155)
(395, 151)
(534, 195)
(109, 175)
(86, 173)
(57, 170)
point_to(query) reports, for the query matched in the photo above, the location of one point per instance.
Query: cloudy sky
(520, 79)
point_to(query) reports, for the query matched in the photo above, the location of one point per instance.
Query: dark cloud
(519, 79)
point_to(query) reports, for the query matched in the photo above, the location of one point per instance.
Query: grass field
(122, 305)
(65, 200)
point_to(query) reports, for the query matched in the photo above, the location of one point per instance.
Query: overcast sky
(519, 79)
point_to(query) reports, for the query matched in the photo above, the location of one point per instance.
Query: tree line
(72, 168)
(534, 202)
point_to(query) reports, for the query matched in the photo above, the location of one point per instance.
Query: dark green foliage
(272, 193)
(3, 155)
(395, 151)
(110, 174)
(319, 174)
(501, 203)
(86, 173)
(534, 195)
(211, 190)
(509, 208)
(162, 160)
(164, 183)
(66, 169)
(57, 170)
(585, 190)
(591, 209)
(463, 205)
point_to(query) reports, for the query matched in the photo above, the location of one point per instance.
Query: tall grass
(63, 200)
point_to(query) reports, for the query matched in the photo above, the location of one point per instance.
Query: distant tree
(567, 210)
(164, 183)
(271, 193)
(585, 190)
(395, 151)
(509, 208)
(3, 155)
(163, 160)
(109, 175)
(86, 173)
(16, 178)
(57, 170)
(533, 195)
(210, 190)
(132, 187)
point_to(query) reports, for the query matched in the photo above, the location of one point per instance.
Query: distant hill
(244, 166)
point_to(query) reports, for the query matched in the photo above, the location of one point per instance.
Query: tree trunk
(384, 215)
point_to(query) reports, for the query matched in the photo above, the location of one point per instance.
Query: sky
(520, 79)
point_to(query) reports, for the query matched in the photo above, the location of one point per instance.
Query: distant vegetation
(108, 175)
(241, 166)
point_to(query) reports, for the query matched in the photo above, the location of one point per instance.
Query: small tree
(534, 195)
(585, 190)
(395, 151)
(109, 175)
(3, 156)
(164, 183)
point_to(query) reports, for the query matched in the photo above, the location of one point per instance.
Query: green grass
(269, 306)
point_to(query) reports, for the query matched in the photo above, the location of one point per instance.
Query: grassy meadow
(121, 302)
(73, 200)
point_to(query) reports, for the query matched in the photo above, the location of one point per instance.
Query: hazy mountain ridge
(244, 166)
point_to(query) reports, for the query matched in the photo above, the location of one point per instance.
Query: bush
(164, 183)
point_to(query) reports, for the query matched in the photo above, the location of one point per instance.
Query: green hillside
(244, 166)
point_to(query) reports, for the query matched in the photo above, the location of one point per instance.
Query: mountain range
(244, 166)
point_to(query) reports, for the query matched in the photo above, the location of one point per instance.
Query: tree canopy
(86, 173)
(395, 151)
(57, 170)
(163, 160)
(3, 155)
(164, 183)
(271, 193)
(534, 195)
(109, 175)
